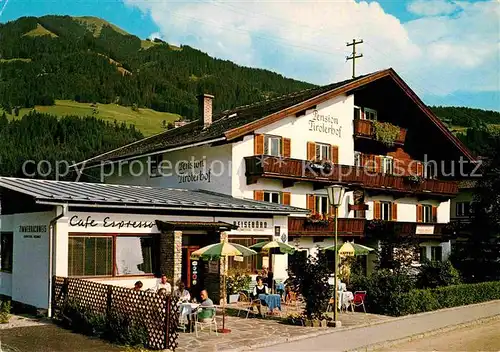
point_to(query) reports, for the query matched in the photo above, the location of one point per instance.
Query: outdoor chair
(208, 321)
(251, 304)
(359, 300)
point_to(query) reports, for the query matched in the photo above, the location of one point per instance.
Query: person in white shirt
(163, 283)
(181, 292)
(260, 288)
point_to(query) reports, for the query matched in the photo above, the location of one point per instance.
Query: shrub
(123, 330)
(386, 132)
(83, 320)
(435, 274)
(416, 301)
(237, 281)
(383, 286)
(5, 312)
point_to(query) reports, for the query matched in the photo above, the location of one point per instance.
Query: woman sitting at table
(181, 292)
(260, 288)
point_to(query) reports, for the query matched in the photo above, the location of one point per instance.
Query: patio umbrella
(350, 249)
(223, 250)
(268, 245)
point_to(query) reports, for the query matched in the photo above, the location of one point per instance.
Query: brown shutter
(258, 144)
(311, 202)
(394, 211)
(285, 198)
(419, 213)
(335, 154)
(377, 211)
(287, 147)
(258, 195)
(420, 169)
(434, 213)
(378, 163)
(311, 151)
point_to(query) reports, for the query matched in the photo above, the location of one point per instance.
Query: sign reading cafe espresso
(325, 123)
(89, 222)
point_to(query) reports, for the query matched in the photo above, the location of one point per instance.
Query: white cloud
(432, 7)
(306, 40)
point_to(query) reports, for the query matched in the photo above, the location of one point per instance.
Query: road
(483, 337)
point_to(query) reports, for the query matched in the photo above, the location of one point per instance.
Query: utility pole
(354, 55)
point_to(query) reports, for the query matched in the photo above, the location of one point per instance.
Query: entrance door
(190, 268)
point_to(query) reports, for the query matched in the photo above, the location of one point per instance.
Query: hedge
(417, 301)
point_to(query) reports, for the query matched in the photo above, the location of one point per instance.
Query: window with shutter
(394, 211)
(311, 150)
(272, 197)
(258, 146)
(311, 202)
(419, 212)
(323, 151)
(386, 211)
(434, 214)
(258, 195)
(287, 147)
(376, 210)
(322, 206)
(286, 198)
(335, 154)
(427, 213)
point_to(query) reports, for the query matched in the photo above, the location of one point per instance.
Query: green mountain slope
(87, 60)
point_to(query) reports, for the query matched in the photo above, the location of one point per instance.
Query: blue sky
(447, 51)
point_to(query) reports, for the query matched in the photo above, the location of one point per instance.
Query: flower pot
(323, 323)
(233, 298)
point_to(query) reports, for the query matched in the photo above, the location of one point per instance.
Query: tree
(478, 257)
(309, 276)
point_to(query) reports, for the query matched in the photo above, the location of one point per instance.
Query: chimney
(205, 108)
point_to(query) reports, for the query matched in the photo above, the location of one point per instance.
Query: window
(322, 206)
(436, 253)
(423, 254)
(155, 165)
(387, 165)
(272, 197)
(250, 263)
(386, 211)
(463, 209)
(359, 214)
(357, 113)
(370, 114)
(323, 151)
(93, 255)
(427, 213)
(272, 145)
(357, 159)
(7, 241)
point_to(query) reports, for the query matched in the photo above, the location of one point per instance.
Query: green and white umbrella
(268, 245)
(223, 250)
(350, 249)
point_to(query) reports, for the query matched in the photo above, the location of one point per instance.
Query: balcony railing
(365, 129)
(300, 226)
(355, 177)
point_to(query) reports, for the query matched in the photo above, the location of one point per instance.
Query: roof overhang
(167, 226)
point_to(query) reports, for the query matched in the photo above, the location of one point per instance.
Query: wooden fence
(159, 315)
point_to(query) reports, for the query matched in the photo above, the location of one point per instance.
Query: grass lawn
(146, 120)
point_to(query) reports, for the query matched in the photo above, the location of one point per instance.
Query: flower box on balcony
(318, 220)
(414, 179)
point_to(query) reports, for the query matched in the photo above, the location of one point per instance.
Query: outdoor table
(186, 309)
(280, 289)
(272, 301)
(345, 298)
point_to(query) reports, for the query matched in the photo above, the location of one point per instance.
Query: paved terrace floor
(257, 331)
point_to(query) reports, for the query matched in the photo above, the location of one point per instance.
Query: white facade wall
(29, 281)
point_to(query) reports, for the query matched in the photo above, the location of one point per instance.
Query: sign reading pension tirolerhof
(325, 123)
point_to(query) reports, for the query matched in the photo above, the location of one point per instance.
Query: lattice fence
(158, 314)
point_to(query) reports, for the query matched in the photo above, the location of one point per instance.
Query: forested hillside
(466, 117)
(39, 137)
(89, 60)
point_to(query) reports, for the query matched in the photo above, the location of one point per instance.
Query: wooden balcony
(294, 170)
(300, 226)
(365, 129)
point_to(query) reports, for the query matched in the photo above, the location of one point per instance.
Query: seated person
(181, 292)
(137, 286)
(206, 314)
(162, 292)
(260, 288)
(163, 283)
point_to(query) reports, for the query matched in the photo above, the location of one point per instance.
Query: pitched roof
(227, 120)
(237, 122)
(111, 195)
